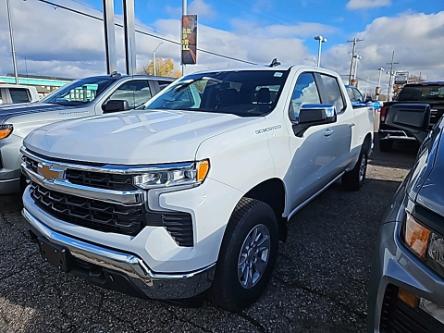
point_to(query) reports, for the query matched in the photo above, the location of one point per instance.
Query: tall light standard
(154, 58)
(357, 57)
(11, 38)
(378, 87)
(321, 40)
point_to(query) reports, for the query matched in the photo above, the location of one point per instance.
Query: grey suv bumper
(131, 267)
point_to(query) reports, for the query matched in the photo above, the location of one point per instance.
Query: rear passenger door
(339, 140)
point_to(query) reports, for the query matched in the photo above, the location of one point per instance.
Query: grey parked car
(406, 291)
(83, 98)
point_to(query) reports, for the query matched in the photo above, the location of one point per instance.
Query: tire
(354, 179)
(385, 146)
(231, 289)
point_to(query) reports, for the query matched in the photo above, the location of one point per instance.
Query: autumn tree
(164, 67)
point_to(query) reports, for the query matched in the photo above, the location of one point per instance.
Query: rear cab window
(19, 95)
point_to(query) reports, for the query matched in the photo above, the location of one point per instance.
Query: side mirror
(313, 115)
(116, 105)
(414, 118)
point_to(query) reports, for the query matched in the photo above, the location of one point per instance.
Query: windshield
(422, 93)
(243, 93)
(80, 92)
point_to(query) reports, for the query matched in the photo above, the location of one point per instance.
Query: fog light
(408, 298)
(432, 309)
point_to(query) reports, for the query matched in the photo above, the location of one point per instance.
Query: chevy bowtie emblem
(48, 172)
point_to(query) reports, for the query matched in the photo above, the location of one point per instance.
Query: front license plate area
(57, 256)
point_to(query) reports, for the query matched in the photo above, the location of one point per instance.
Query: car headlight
(192, 173)
(5, 130)
(425, 243)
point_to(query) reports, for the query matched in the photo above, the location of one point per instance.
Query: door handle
(328, 132)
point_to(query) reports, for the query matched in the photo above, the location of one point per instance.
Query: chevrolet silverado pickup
(83, 98)
(191, 195)
(413, 96)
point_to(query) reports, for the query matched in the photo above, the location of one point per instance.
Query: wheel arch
(272, 192)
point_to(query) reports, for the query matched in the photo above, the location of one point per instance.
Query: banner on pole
(189, 39)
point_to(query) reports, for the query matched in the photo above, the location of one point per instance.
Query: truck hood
(12, 110)
(131, 138)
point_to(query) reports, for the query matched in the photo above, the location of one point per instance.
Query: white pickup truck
(193, 194)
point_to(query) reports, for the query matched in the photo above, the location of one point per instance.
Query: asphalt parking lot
(319, 285)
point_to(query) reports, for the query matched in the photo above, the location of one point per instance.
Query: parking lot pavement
(320, 282)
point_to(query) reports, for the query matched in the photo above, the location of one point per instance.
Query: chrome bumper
(153, 285)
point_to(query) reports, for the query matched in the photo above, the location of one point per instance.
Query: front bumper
(395, 267)
(125, 270)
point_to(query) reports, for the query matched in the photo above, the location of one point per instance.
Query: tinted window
(136, 93)
(244, 93)
(331, 92)
(163, 84)
(305, 92)
(81, 91)
(355, 95)
(418, 93)
(19, 95)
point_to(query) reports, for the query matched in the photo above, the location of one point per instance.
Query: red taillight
(383, 113)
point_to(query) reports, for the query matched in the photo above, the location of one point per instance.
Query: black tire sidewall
(231, 295)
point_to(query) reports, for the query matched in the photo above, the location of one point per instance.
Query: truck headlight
(192, 173)
(427, 244)
(5, 130)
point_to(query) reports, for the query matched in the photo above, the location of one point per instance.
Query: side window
(331, 93)
(358, 96)
(136, 93)
(19, 95)
(305, 92)
(163, 84)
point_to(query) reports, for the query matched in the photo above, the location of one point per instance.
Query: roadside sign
(189, 39)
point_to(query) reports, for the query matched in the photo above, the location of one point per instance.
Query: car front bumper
(121, 270)
(395, 268)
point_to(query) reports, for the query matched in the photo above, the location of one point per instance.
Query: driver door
(310, 153)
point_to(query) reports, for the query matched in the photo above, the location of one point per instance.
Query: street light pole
(321, 40)
(184, 12)
(378, 87)
(354, 41)
(154, 58)
(11, 38)
(389, 89)
(357, 57)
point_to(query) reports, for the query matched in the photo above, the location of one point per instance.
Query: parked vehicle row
(422, 97)
(83, 98)
(15, 93)
(407, 286)
(191, 194)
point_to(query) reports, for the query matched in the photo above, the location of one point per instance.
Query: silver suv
(83, 98)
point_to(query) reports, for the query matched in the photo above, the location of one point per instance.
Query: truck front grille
(101, 180)
(127, 220)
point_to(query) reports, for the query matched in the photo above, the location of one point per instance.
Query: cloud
(299, 30)
(417, 49)
(201, 8)
(366, 4)
(196, 7)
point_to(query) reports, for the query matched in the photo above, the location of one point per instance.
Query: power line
(79, 12)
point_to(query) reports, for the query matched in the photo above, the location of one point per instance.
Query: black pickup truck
(414, 97)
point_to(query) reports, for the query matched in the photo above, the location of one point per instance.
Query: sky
(54, 42)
